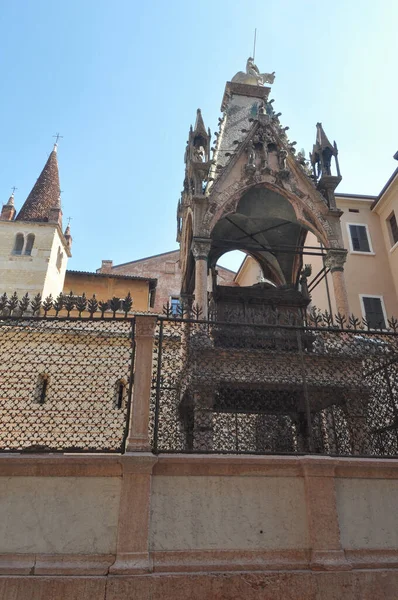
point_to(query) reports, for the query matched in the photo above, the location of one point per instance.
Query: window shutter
(363, 239)
(359, 238)
(394, 228)
(374, 312)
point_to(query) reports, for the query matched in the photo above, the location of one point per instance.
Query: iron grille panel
(62, 382)
(259, 389)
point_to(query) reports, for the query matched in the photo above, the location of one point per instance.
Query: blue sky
(122, 81)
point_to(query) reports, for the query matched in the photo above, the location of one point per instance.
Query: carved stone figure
(262, 109)
(282, 159)
(252, 76)
(251, 160)
(199, 154)
(253, 71)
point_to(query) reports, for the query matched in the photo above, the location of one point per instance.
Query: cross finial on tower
(57, 136)
(13, 190)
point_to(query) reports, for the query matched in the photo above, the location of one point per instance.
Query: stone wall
(166, 269)
(219, 527)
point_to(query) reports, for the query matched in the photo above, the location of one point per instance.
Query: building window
(19, 244)
(120, 393)
(392, 223)
(374, 312)
(175, 306)
(359, 238)
(42, 387)
(29, 244)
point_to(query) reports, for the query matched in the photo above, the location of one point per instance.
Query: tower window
(42, 388)
(393, 226)
(19, 244)
(359, 238)
(60, 256)
(373, 311)
(120, 393)
(29, 244)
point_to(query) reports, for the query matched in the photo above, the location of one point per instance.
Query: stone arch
(311, 213)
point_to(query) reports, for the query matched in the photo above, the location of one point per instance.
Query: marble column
(138, 438)
(334, 261)
(200, 250)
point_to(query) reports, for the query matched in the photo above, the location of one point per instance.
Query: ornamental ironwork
(65, 383)
(65, 305)
(320, 387)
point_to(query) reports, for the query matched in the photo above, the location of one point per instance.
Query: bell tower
(33, 248)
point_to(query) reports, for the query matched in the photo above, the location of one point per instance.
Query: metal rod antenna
(254, 44)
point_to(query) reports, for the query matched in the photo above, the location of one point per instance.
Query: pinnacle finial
(11, 198)
(57, 136)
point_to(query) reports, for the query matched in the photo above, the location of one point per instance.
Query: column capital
(335, 259)
(145, 326)
(200, 248)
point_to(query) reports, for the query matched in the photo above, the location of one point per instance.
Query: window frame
(383, 308)
(394, 243)
(171, 298)
(363, 252)
(13, 251)
(30, 237)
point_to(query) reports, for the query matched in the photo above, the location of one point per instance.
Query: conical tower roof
(45, 193)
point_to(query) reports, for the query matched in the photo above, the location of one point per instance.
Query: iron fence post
(306, 396)
(158, 382)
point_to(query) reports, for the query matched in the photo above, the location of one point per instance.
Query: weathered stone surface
(59, 515)
(376, 585)
(52, 588)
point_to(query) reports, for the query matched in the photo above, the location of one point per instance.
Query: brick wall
(165, 268)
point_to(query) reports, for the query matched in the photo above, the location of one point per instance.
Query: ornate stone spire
(321, 160)
(200, 128)
(45, 193)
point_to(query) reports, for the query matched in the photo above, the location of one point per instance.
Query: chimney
(106, 266)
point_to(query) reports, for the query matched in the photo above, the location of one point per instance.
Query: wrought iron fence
(65, 382)
(326, 387)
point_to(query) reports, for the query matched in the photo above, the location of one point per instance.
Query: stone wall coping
(75, 465)
(195, 561)
(114, 465)
(275, 466)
